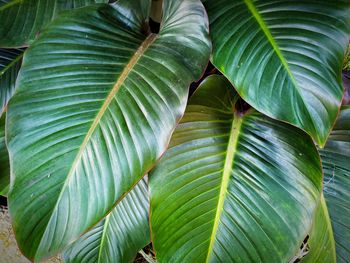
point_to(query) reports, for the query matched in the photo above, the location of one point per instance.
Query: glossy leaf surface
(335, 158)
(91, 119)
(23, 20)
(10, 63)
(119, 236)
(284, 57)
(229, 183)
(321, 243)
(4, 160)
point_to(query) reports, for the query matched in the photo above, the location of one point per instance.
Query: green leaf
(90, 119)
(284, 57)
(120, 235)
(233, 186)
(4, 160)
(321, 243)
(336, 167)
(23, 20)
(10, 63)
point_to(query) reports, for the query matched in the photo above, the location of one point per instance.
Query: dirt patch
(8, 247)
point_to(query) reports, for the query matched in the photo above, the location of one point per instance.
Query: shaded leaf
(284, 57)
(91, 119)
(4, 160)
(336, 166)
(346, 64)
(10, 63)
(120, 235)
(229, 183)
(346, 85)
(23, 20)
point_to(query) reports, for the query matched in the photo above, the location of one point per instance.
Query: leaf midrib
(329, 225)
(133, 61)
(252, 8)
(11, 64)
(125, 73)
(231, 152)
(9, 4)
(271, 39)
(103, 238)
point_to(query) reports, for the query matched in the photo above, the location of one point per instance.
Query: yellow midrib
(231, 151)
(277, 50)
(128, 68)
(138, 54)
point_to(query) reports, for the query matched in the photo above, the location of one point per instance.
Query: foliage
(99, 99)
(4, 161)
(221, 161)
(346, 64)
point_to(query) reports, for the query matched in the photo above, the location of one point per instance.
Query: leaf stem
(157, 10)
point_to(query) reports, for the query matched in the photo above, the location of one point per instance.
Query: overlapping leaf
(120, 235)
(98, 98)
(4, 160)
(23, 20)
(284, 57)
(10, 63)
(335, 158)
(233, 186)
(321, 246)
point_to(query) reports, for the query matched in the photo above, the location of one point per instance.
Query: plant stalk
(157, 10)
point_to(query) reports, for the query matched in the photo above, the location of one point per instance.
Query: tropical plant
(253, 167)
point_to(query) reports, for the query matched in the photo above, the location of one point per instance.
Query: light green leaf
(97, 100)
(336, 166)
(284, 57)
(23, 20)
(10, 63)
(4, 160)
(120, 235)
(233, 186)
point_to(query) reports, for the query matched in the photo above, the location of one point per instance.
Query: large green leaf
(4, 160)
(336, 165)
(119, 236)
(284, 57)
(23, 20)
(321, 246)
(10, 63)
(233, 186)
(97, 100)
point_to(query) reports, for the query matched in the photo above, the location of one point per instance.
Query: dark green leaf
(119, 236)
(4, 160)
(23, 20)
(97, 100)
(233, 187)
(10, 63)
(336, 166)
(284, 57)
